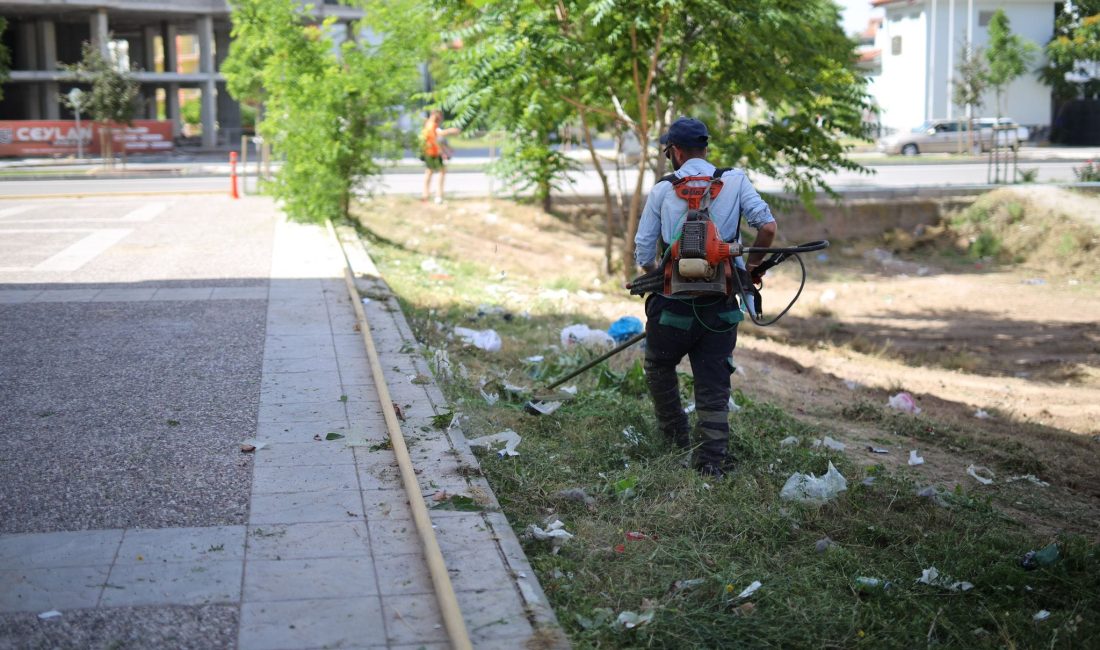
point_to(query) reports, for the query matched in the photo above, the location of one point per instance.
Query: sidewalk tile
(303, 541)
(413, 619)
(125, 295)
(328, 410)
(300, 432)
(239, 293)
(183, 293)
(194, 545)
(173, 583)
(304, 454)
(393, 537)
(303, 480)
(66, 295)
(328, 505)
(17, 296)
(65, 549)
(305, 364)
(339, 577)
(403, 575)
(333, 623)
(38, 590)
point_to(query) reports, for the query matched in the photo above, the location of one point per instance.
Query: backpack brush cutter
(699, 263)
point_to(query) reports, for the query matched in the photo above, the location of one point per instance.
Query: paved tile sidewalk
(329, 556)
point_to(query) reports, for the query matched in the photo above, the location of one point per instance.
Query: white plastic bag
(585, 336)
(807, 488)
(510, 438)
(905, 403)
(487, 340)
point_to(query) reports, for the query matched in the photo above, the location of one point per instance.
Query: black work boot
(716, 470)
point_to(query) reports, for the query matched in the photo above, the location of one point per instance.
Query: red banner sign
(60, 137)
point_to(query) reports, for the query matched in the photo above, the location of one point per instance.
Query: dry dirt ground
(1018, 341)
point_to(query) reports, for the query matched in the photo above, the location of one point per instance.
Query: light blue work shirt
(664, 212)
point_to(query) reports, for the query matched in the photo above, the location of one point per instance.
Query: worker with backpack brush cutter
(690, 228)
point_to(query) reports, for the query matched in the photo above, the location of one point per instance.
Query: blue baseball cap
(687, 132)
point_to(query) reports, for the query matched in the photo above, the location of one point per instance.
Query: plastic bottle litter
(541, 408)
(982, 414)
(624, 328)
(915, 458)
(585, 336)
(750, 590)
(788, 441)
(905, 403)
(807, 488)
(487, 340)
(1045, 557)
(984, 480)
(1041, 615)
(510, 438)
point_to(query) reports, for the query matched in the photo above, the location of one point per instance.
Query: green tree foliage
(1075, 45)
(328, 112)
(640, 65)
(1008, 55)
(5, 57)
(114, 92)
(969, 84)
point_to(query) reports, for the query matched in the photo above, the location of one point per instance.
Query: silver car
(949, 136)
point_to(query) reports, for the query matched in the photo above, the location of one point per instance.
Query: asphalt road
(585, 183)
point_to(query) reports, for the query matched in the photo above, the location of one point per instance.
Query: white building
(921, 42)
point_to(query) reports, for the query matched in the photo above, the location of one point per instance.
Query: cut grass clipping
(659, 557)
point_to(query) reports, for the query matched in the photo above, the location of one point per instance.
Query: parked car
(949, 136)
(1008, 132)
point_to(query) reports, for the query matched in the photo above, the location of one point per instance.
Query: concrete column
(204, 28)
(26, 58)
(149, 48)
(171, 64)
(47, 57)
(97, 26)
(229, 111)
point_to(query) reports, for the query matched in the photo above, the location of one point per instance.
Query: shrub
(1087, 173)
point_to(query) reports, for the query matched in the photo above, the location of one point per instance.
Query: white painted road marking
(146, 212)
(19, 209)
(83, 251)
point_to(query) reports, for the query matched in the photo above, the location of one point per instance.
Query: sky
(856, 14)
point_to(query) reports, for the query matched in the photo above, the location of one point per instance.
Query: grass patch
(656, 538)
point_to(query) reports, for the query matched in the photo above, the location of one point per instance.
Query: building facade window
(895, 45)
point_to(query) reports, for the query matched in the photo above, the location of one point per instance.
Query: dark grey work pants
(704, 329)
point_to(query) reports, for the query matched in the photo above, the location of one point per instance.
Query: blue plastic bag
(625, 328)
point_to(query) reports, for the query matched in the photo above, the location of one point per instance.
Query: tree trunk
(635, 211)
(609, 215)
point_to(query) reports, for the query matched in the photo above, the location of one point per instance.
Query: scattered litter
(625, 328)
(871, 585)
(807, 488)
(982, 414)
(624, 488)
(251, 445)
(984, 480)
(585, 336)
(513, 389)
(332, 435)
(1045, 557)
(430, 266)
(571, 390)
(635, 536)
(1035, 281)
(555, 532)
(541, 408)
(827, 296)
(822, 257)
(829, 443)
(733, 406)
(905, 403)
(1031, 478)
(684, 585)
(366, 301)
(877, 450)
(489, 399)
(869, 481)
(690, 408)
(53, 613)
(823, 544)
(931, 576)
(915, 458)
(487, 340)
(1041, 615)
(788, 441)
(632, 436)
(932, 494)
(578, 495)
(510, 438)
(852, 385)
(534, 359)
(750, 590)
(630, 620)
